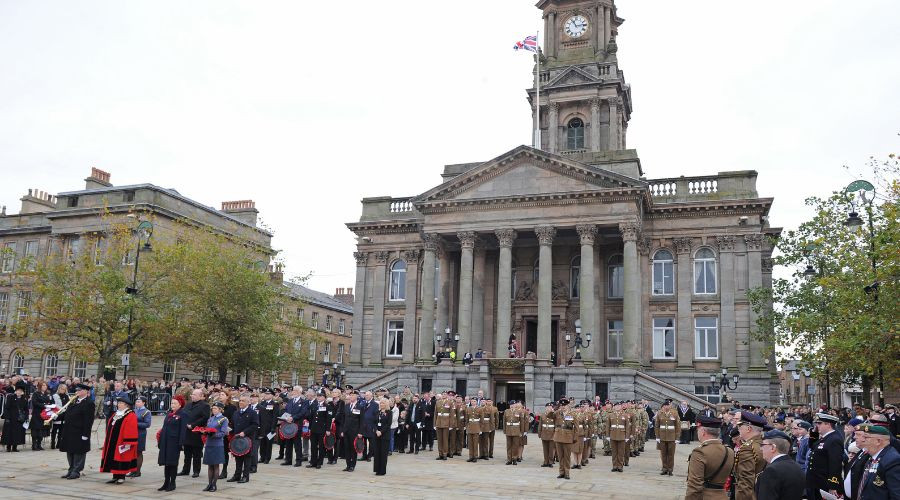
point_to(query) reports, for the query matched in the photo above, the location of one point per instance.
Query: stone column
(587, 233)
(607, 26)
(464, 323)
(613, 123)
(356, 348)
(553, 127)
(504, 291)
(598, 30)
(754, 268)
(478, 300)
(631, 302)
(445, 290)
(727, 336)
(684, 331)
(377, 340)
(595, 123)
(550, 35)
(425, 340)
(409, 318)
(545, 236)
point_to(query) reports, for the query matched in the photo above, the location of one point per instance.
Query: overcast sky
(308, 107)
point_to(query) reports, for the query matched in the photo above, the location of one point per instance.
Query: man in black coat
(350, 420)
(244, 423)
(296, 406)
(687, 416)
(321, 417)
(197, 414)
(268, 411)
(75, 437)
(415, 415)
(369, 421)
(428, 431)
(782, 479)
(825, 458)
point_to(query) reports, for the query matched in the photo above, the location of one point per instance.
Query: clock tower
(585, 103)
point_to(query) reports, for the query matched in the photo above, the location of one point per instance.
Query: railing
(725, 185)
(573, 152)
(401, 205)
(375, 381)
(387, 208)
(671, 388)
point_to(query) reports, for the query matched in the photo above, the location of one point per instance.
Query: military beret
(667, 402)
(753, 419)
(825, 417)
(870, 428)
(708, 421)
(855, 421)
(779, 419)
(804, 424)
(878, 418)
(776, 434)
(563, 402)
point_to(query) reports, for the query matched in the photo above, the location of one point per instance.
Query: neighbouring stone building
(656, 270)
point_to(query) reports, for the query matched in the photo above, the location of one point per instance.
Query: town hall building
(609, 282)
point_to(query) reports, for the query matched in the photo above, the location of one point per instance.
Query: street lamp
(578, 342)
(811, 252)
(724, 384)
(863, 192)
(145, 232)
(447, 340)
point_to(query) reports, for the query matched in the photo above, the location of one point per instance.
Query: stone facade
(525, 244)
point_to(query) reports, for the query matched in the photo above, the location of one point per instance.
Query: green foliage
(835, 319)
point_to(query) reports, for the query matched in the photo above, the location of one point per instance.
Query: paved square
(29, 474)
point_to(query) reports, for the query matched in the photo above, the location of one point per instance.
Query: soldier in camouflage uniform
(604, 429)
(645, 423)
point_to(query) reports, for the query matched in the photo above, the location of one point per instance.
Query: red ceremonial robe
(120, 431)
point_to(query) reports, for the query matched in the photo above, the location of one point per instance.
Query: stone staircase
(654, 389)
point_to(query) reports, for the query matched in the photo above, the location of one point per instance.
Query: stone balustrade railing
(386, 208)
(725, 185)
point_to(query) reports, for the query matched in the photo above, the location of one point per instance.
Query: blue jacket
(884, 484)
(369, 419)
(803, 452)
(219, 422)
(297, 410)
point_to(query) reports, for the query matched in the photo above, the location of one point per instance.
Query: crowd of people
(744, 452)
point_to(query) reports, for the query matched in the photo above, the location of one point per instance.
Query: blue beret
(855, 421)
(754, 419)
(804, 424)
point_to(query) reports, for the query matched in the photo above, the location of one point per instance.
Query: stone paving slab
(28, 474)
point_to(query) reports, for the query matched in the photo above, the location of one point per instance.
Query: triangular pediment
(526, 171)
(572, 76)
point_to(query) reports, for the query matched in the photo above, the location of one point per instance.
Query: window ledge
(664, 298)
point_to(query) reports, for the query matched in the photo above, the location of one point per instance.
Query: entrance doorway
(515, 391)
(531, 341)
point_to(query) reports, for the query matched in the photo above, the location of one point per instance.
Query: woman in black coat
(15, 413)
(171, 438)
(382, 439)
(39, 399)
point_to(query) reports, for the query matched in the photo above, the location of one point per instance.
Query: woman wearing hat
(171, 438)
(15, 414)
(214, 454)
(121, 442)
(143, 422)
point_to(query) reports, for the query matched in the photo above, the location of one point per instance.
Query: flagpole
(536, 141)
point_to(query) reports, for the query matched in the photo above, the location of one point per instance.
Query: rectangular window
(315, 320)
(559, 389)
(4, 307)
(340, 326)
(461, 384)
(24, 305)
(616, 281)
(614, 333)
(601, 389)
(128, 196)
(73, 201)
(31, 252)
(99, 251)
(706, 343)
(80, 370)
(707, 392)
(664, 338)
(340, 358)
(74, 248)
(394, 344)
(312, 351)
(426, 384)
(281, 312)
(8, 257)
(328, 324)
(705, 276)
(51, 365)
(169, 371)
(326, 353)
(300, 314)
(663, 278)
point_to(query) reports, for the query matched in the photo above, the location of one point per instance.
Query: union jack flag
(529, 43)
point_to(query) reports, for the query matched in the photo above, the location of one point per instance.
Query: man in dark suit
(415, 416)
(321, 417)
(782, 479)
(75, 437)
(826, 455)
(268, 411)
(881, 474)
(428, 431)
(296, 407)
(244, 423)
(687, 417)
(197, 414)
(369, 420)
(350, 419)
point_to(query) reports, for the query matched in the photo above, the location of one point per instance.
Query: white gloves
(657, 440)
(84, 438)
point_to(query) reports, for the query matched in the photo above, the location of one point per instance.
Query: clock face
(576, 26)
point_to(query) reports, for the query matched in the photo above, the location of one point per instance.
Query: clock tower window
(575, 134)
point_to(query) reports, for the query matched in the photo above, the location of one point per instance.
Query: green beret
(870, 428)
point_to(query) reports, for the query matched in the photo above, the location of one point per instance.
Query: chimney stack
(37, 201)
(97, 180)
(242, 210)
(276, 273)
(344, 295)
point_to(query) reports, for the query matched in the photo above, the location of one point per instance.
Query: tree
(834, 313)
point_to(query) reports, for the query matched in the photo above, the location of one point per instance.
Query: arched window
(51, 363)
(616, 277)
(575, 276)
(398, 280)
(705, 272)
(575, 134)
(18, 363)
(663, 273)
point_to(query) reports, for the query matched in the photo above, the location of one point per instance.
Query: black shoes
(196, 474)
(134, 474)
(231, 479)
(282, 463)
(183, 473)
(244, 479)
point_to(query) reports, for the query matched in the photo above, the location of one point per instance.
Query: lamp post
(578, 343)
(811, 252)
(724, 384)
(863, 192)
(447, 340)
(145, 232)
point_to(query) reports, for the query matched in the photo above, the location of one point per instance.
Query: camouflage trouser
(634, 443)
(607, 448)
(594, 444)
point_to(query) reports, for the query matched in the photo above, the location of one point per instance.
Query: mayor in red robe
(120, 445)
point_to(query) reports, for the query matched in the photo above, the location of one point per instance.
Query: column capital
(725, 242)
(433, 242)
(361, 258)
(587, 233)
(613, 101)
(382, 257)
(753, 241)
(553, 107)
(545, 234)
(467, 238)
(595, 103)
(644, 245)
(629, 230)
(411, 256)
(506, 237)
(683, 244)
